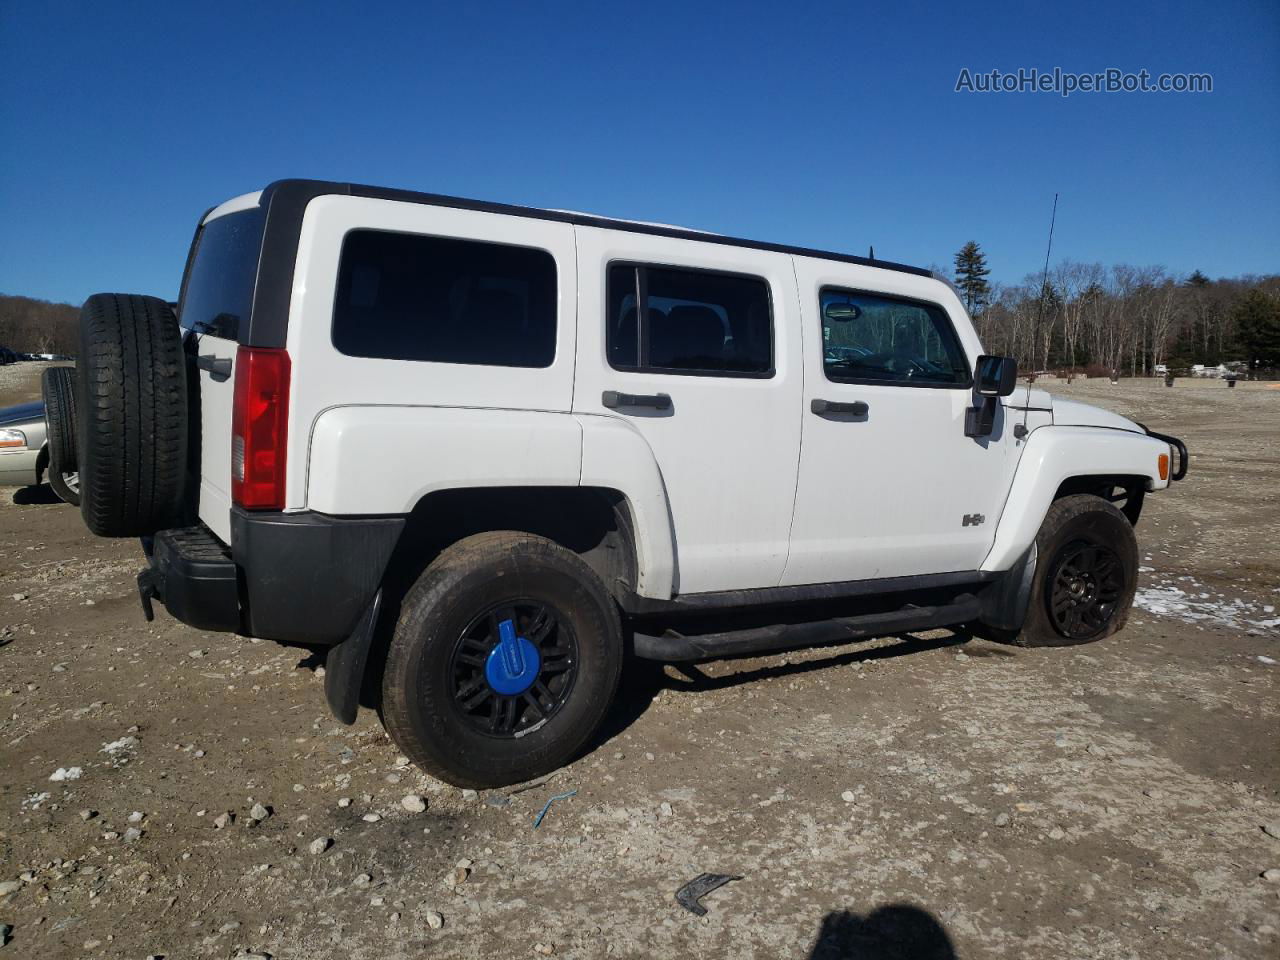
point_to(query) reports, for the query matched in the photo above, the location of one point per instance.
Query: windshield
(219, 289)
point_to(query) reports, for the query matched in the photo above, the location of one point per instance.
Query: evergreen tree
(1198, 280)
(1257, 318)
(971, 277)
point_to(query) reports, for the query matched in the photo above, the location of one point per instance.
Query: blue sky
(831, 125)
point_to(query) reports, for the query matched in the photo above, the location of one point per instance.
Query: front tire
(1086, 575)
(504, 663)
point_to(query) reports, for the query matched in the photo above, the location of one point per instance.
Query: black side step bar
(674, 647)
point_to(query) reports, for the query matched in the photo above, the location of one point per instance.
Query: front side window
(671, 320)
(409, 297)
(869, 338)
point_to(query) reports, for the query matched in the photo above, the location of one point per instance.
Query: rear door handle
(613, 399)
(857, 408)
(219, 367)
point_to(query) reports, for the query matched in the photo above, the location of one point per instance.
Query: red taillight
(260, 428)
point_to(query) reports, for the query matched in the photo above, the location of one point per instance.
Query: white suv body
(742, 487)
(383, 382)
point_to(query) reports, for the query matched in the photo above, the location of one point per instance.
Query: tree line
(38, 326)
(1085, 317)
(1122, 319)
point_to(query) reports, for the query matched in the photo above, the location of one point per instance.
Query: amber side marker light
(1163, 466)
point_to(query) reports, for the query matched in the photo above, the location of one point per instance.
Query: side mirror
(995, 376)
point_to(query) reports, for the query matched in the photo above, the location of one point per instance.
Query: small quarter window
(218, 293)
(670, 320)
(870, 338)
(410, 297)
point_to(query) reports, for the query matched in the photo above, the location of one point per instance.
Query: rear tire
(133, 418)
(66, 486)
(59, 388)
(439, 696)
(1085, 577)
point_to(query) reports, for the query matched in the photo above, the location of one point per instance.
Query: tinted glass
(693, 321)
(219, 289)
(407, 297)
(870, 338)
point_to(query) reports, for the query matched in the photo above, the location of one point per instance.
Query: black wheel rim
(1087, 582)
(526, 696)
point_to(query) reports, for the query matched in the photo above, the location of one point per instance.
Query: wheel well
(1125, 492)
(593, 522)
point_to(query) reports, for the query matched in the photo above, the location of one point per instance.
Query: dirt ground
(918, 798)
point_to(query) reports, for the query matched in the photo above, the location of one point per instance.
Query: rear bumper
(296, 577)
(192, 574)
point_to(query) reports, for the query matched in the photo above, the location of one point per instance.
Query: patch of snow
(117, 745)
(65, 773)
(1195, 604)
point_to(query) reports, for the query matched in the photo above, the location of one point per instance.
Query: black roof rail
(285, 202)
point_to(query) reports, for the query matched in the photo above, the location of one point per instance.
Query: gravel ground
(20, 382)
(173, 793)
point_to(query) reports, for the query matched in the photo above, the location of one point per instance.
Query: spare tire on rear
(132, 444)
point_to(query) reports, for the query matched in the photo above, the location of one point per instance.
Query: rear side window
(410, 297)
(869, 338)
(218, 293)
(671, 320)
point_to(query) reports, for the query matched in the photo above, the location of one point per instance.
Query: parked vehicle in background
(7, 356)
(37, 440)
(22, 445)
(606, 436)
(24, 452)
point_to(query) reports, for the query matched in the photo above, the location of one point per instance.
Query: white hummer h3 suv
(484, 454)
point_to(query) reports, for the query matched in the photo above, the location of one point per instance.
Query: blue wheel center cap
(513, 664)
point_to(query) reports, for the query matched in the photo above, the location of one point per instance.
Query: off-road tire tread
(433, 588)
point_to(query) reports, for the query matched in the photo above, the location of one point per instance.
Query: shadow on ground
(894, 932)
(35, 496)
(642, 680)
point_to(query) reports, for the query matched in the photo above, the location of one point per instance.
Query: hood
(1072, 413)
(1027, 397)
(22, 413)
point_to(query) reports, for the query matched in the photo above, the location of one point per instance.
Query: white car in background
(23, 454)
(30, 451)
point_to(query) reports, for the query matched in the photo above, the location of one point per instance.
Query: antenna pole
(1044, 280)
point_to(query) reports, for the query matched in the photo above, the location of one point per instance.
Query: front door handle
(613, 399)
(857, 408)
(219, 367)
